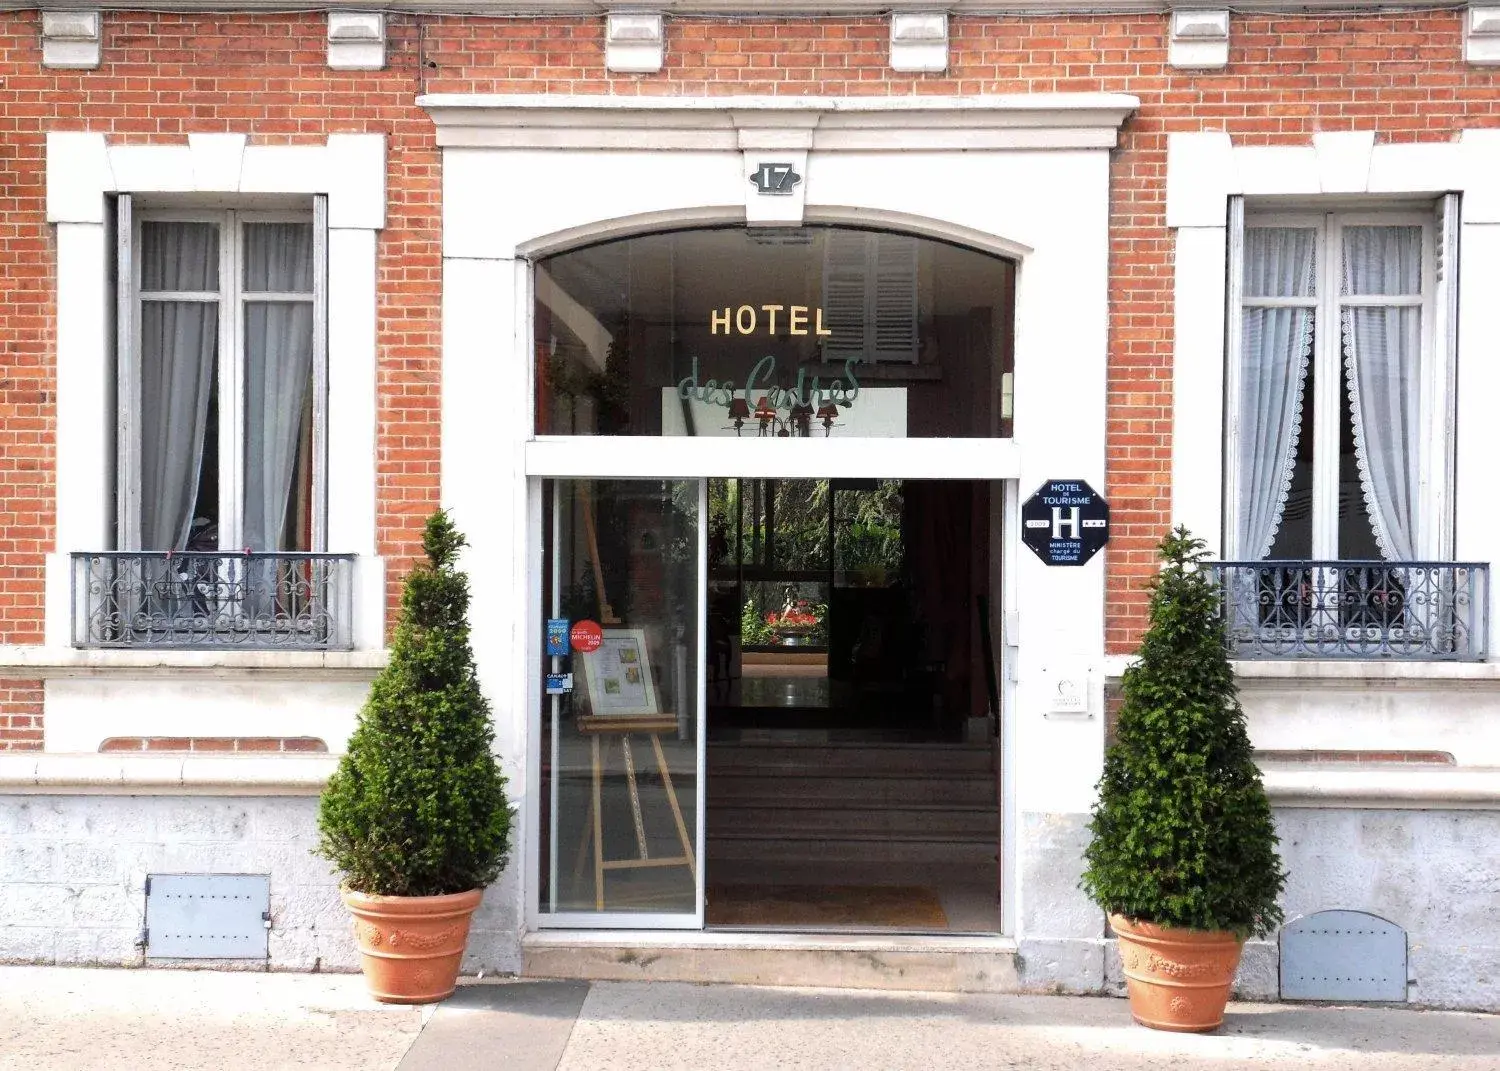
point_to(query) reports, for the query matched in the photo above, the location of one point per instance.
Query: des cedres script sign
(1065, 522)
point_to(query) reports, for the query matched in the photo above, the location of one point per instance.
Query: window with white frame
(221, 373)
(1340, 384)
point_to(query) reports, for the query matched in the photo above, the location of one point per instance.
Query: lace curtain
(1382, 355)
(1276, 347)
(179, 349)
(278, 370)
(179, 343)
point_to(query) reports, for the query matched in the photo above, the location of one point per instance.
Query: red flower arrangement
(794, 617)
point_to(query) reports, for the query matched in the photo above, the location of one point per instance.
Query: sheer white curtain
(179, 342)
(1276, 347)
(1383, 354)
(278, 371)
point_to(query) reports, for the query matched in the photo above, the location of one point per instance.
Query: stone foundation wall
(73, 879)
(1435, 873)
(73, 871)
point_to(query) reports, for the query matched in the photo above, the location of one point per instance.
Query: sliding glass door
(791, 377)
(622, 703)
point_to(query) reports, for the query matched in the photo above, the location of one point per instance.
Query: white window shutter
(894, 298)
(1234, 318)
(845, 259)
(127, 384)
(870, 297)
(320, 375)
(1440, 470)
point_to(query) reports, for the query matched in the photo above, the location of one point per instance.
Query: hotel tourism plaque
(1065, 522)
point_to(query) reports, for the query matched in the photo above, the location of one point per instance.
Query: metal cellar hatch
(1343, 955)
(207, 916)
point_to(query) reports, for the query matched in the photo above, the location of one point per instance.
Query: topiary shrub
(1182, 830)
(417, 807)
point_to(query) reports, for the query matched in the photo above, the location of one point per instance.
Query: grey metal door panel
(1343, 955)
(207, 916)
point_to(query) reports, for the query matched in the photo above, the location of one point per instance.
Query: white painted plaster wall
(1462, 718)
(84, 712)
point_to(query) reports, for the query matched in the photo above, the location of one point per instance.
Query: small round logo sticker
(586, 636)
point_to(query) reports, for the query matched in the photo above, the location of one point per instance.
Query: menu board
(619, 675)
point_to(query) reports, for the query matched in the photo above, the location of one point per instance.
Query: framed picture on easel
(619, 676)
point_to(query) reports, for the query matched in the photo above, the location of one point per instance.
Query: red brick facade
(214, 743)
(20, 715)
(1401, 75)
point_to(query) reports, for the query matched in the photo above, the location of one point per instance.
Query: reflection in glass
(805, 332)
(620, 749)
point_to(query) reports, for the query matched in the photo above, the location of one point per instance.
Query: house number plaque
(775, 179)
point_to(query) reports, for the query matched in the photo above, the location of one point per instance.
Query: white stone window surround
(1326, 394)
(83, 169)
(1204, 169)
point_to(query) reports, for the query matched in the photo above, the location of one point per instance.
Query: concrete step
(935, 963)
(731, 786)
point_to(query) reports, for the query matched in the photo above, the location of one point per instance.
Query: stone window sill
(45, 663)
(1334, 672)
(1390, 787)
(40, 773)
(1288, 784)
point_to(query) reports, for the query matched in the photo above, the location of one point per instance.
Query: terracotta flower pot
(1177, 979)
(410, 946)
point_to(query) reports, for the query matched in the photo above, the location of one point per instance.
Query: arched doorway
(789, 707)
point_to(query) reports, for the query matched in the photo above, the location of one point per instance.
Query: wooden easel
(624, 726)
(586, 504)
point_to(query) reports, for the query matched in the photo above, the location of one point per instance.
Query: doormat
(904, 907)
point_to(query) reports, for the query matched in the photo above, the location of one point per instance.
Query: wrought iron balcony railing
(1416, 611)
(284, 601)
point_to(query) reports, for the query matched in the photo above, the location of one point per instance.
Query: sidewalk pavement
(64, 1018)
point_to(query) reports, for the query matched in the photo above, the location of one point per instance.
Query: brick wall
(20, 715)
(163, 75)
(214, 743)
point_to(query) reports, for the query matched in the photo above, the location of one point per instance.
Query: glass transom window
(807, 332)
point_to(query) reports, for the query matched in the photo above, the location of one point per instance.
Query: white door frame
(1000, 473)
(643, 457)
(1025, 177)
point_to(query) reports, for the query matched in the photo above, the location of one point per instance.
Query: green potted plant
(416, 816)
(1183, 856)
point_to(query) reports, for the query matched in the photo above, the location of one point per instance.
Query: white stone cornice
(71, 39)
(356, 40)
(765, 8)
(634, 41)
(1031, 121)
(919, 41)
(1199, 38)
